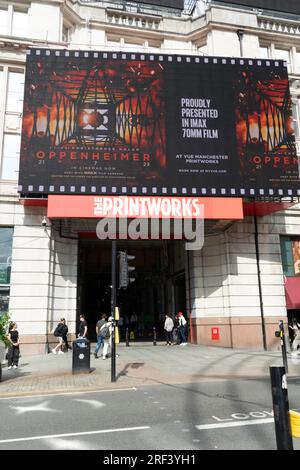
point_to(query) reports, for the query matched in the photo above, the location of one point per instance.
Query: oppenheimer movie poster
(143, 123)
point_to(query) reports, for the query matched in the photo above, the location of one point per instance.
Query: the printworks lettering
(147, 207)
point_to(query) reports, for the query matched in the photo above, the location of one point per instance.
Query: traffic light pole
(113, 305)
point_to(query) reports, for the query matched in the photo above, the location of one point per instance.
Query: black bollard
(281, 408)
(127, 336)
(154, 336)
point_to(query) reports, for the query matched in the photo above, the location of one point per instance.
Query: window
(15, 92)
(3, 21)
(6, 237)
(297, 64)
(264, 53)
(19, 25)
(4, 299)
(66, 34)
(202, 50)
(290, 255)
(10, 157)
(296, 120)
(282, 54)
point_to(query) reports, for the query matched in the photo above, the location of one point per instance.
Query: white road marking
(93, 403)
(57, 394)
(66, 444)
(40, 407)
(87, 433)
(236, 423)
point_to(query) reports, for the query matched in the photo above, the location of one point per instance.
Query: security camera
(44, 222)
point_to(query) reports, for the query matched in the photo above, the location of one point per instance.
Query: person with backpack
(106, 331)
(60, 332)
(65, 336)
(168, 327)
(100, 337)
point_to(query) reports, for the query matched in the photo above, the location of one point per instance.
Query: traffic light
(125, 269)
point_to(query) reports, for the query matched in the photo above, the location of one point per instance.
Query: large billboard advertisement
(125, 123)
(287, 6)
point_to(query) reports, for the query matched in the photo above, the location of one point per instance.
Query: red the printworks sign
(144, 207)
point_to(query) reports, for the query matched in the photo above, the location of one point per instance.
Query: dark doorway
(145, 302)
(180, 294)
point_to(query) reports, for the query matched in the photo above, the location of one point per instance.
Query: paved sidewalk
(140, 365)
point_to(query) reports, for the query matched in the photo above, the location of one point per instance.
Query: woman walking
(13, 352)
(60, 332)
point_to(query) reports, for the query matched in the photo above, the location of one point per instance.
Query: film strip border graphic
(158, 191)
(153, 57)
(143, 190)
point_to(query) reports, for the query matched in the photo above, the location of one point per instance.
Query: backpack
(58, 330)
(105, 331)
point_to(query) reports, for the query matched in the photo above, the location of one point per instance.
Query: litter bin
(81, 356)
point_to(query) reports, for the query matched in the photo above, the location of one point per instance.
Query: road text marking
(235, 423)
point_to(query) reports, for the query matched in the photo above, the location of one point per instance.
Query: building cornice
(21, 44)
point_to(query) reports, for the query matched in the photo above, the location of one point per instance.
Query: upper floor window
(264, 53)
(3, 20)
(15, 92)
(282, 54)
(297, 62)
(6, 237)
(11, 156)
(296, 121)
(13, 22)
(1, 80)
(19, 23)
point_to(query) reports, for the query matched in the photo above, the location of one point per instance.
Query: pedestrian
(82, 327)
(100, 337)
(168, 327)
(65, 335)
(182, 327)
(121, 327)
(296, 330)
(133, 322)
(106, 331)
(59, 333)
(176, 331)
(13, 352)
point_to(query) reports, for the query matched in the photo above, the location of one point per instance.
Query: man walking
(82, 327)
(106, 330)
(100, 337)
(182, 326)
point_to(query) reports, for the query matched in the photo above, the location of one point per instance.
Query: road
(217, 415)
